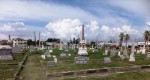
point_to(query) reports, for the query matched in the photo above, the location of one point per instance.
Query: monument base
(82, 52)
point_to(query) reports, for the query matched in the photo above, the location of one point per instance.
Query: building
(19, 42)
(106, 44)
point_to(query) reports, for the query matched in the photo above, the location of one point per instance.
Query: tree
(53, 40)
(121, 36)
(126, 37)
(146, 37)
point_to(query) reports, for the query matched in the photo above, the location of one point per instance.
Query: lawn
(121, 76)
(8, 68)
(96, 61)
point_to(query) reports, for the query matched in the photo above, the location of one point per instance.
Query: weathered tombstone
(69, 55)
(5, 54)
(81, 60)
(43, 56)
(17, 49)
(106, 52)
(107, 60)
(132, 56)
(122, 57)
(148, 56)
(55, 59)
(63, 55)
(119, 53)
(113, 52)
(47, 54)
(50, 63)
(50, 51)
(31, 47)
(125, 53)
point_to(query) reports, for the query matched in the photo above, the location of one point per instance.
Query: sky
(104, 20)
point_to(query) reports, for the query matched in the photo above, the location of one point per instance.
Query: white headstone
(106, 52)
(43, 56)
(55, 59)
(119, 53)
(107, 60)
(132, 57)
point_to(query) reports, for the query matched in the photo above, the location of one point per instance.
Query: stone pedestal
(82, 51)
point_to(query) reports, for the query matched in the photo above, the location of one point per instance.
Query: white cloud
(64, 28)
(12, 27)
(148, 23)
(40, 10)
(140, 7)
(105, 28)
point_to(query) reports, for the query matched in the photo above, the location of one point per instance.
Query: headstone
(148, 56)
(125, 53)
(17, 49)
(43, 56)
(51, 63)
(106, 52)
(63, 55)
(113, 52)
(50, 51)
(5, 54)
(107, 60)
(81, 60)
(69, 55)
(47, 54)
(119, 53)
(132, 56)
(55, 59)
(122, 57)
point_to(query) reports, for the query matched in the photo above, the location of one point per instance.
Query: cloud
(39, 10)
(12, 27)
(140, 7)
(148, 23)
(64, 28)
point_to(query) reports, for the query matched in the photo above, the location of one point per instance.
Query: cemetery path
(33, 70)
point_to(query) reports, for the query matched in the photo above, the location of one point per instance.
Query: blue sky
(103, 19)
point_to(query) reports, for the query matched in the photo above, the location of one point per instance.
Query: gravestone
(50, 51)
(43, 56)
(63, 55)
(55, 59)
(122, 57)
(50, 63)
(106, 52)
(69, 55)
(125, 53)
(148, 56)
(113, 52)
(17, 49)
(119, 53)
(31, 47)
(81, 60)
(132, 56)
(47, 54)
(107, 60)
(5, 54)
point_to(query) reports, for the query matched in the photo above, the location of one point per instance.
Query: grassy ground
(96, 61)
(33, 70)
(121, 76)
(9, 67)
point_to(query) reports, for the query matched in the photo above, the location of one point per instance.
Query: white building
(19, 42)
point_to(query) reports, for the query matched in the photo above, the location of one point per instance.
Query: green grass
(9, 67)
(96, 61)
(121, 76)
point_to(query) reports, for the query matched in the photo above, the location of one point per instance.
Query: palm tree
(146, 36)
(121, 36)
(126, 37)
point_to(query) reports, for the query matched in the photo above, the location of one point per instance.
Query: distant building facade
(19, 42)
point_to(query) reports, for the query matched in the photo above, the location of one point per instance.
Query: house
(19, 42)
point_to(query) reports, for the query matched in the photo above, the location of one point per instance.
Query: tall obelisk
(82, 49)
